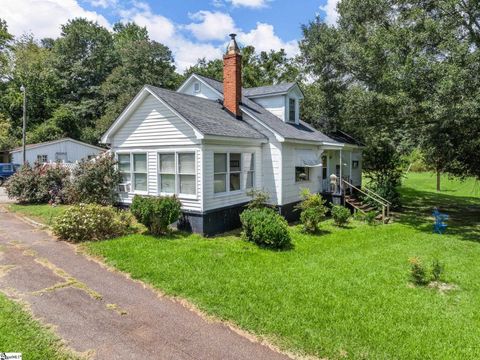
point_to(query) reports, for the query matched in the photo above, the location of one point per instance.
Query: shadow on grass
(463, 211)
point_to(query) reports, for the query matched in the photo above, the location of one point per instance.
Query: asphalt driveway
(102, 311)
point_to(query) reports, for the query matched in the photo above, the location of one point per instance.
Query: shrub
(39, 184)
(437, 270)
(313, 210)
(265, 227)
(340, 214)
(156, 213)
(370, 217)
(418, 273)
(95, 182)
(259, 199)
(86, 222)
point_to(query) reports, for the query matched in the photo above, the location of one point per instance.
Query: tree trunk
(438, 180)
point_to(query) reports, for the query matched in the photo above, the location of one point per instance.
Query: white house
(63, 150)
(210, 142)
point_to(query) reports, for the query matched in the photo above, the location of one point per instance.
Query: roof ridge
(180, 94)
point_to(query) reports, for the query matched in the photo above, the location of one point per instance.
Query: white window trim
(303, 181)
(243, 173)
(177, 174)
(132, 187)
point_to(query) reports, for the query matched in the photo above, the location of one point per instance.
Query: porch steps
(364, 208)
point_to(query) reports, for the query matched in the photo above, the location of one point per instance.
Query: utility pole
(24, 91)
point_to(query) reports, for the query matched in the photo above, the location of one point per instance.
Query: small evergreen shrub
(39, 184)
(313, 210)
(418, 272)
(156, 213)
(422, 276)
(91, 222)
(340, 214)
(265, 227)
(95, 182)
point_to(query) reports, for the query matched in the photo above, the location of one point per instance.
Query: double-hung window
(133, 168)
(220, 173)
(124, 168)
(140, 172)
(167, 173)
(177, 174)
(250, 170)
(229, 172)
(292, 110)
(186, 173)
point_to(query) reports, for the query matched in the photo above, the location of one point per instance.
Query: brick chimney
(232, 78)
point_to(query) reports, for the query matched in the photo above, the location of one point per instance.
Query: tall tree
(265, 68)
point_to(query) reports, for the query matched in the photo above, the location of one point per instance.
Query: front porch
(340, 170)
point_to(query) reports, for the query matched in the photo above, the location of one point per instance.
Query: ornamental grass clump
(91, 222)
(156, 212)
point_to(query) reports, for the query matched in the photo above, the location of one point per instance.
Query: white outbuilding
(65, 150)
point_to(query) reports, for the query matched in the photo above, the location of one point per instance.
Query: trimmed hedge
(265, 227)
(156, 212)
(341, 215)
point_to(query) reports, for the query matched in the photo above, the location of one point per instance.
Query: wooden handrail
(374, 193)
(363, 192)
(385, 203)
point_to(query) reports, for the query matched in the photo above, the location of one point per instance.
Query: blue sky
(191, 28)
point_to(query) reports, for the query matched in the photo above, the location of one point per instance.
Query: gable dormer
(281, 100)
(196, 86)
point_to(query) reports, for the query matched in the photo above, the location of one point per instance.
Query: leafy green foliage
(340, 214)
(156, 213)
(92, 222)
(39, 184)
(370, 217)
(265, 227)
(258, 69)
(95, 181)
(418, 273)
(313, 210)
(259, 199)
(437, 270)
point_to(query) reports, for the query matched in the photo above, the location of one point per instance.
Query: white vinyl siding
(153, 124)
(274, 104)
(291, 187)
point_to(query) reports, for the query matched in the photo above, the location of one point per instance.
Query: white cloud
(263, 38)
(249, 3)
(103, 3)
(330, 10)
(44, 17)
(161, 29)
(211, 25)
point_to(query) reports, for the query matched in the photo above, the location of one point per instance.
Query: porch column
(341, 172)
(350, 168)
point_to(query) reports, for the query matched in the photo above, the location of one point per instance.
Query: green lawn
(20, 333)
(344, 293)
(42, 213)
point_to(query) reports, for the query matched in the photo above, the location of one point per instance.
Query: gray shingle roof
(267, 90)
(208, 116)
(302, 131)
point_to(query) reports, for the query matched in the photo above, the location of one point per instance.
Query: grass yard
(42, 213)
(342, 294)
(20, 333)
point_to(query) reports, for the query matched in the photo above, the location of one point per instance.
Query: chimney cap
(233, 46)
